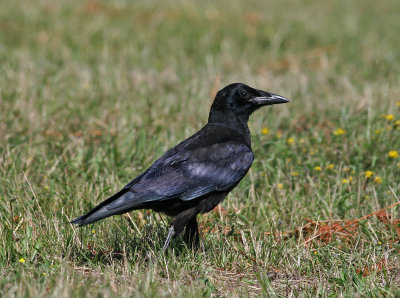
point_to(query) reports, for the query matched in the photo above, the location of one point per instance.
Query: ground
(92, 92)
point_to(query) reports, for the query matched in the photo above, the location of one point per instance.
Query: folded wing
(186, 174)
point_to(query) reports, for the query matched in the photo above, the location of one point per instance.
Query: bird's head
(240, 100)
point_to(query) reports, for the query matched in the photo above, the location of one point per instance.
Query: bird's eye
(243, 93)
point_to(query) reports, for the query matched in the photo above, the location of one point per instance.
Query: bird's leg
(171, 233)
(191, 235)
(184, 219)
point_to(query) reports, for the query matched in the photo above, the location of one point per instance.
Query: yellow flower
(389, 117)
(22, 260)
(330, 166)
(398, 103)
(46, 187)
(264, 130)
(339, 132)
(393, 154)
(368, 174)
(397, 123)
(280, 185)
(378, 131)
(93, 232)
(294, 174)
(317, 168)
(380, 243)
(378, 180)
(290, 141)
(344, 181)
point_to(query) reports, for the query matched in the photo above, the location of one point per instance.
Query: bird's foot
(171, 233)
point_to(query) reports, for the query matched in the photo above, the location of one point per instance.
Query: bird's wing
(192, 169)
(189, 174)
(218, 168)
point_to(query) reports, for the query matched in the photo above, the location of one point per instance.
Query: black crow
(198, 173)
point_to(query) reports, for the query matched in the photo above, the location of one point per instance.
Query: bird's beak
(266, 98)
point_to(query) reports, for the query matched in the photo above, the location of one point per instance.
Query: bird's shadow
(132, 247)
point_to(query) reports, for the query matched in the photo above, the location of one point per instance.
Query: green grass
(91, 93)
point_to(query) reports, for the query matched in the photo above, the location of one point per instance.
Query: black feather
(199, 172)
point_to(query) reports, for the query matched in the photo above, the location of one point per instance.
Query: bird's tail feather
(101, 211)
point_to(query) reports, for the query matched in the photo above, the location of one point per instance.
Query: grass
(92, 92)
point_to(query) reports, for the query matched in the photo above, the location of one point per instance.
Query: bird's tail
(105, 209)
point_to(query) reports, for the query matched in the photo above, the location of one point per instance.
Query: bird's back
(211, 161)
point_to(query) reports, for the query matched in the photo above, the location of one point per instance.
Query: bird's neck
(232, 121)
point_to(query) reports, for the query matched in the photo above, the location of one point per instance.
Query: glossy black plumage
(197, 174)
